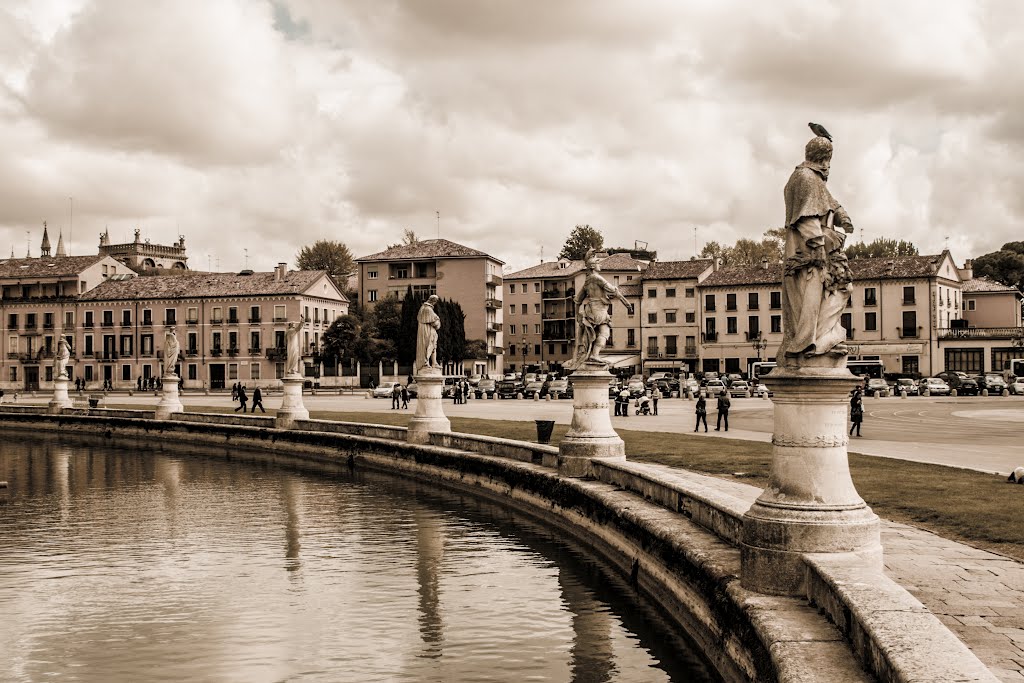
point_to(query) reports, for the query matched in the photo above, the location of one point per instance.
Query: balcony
(216, 321)
(710, 336)
(495, 351)
(107, 323)
(107, 357)
(493, 279)
(754, 336)
(255, 320)
(277, 354)
(216, 353)
(47, 326)
(233, 351)
(192, 321)
(671, 351)
(255, 350)
(653, 352)
(849, 333)
(909, 332)
(981, 333)
(552, 294)
(233, 321)
(30, 327)
(87, 354)
(909, 302)
(494, 327)
(88, 325)
(280, 319)
(126, 354)
(493, 304)
(192, 352)
(147, 322)
(690, 351)
(170, 323)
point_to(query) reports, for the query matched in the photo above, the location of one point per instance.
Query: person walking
(655, 395)
(405, 398)
(257, 400)
(702, 412)
(624, 401)
(242, 399)
(856, 411)
(234, 392)
(395, 396)
(723, 410)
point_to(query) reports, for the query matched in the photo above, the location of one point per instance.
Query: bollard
(952, 392)
(519, 396)
(1006, 392)
(746, 394)
(903, 394)
(984, 392)
(926, 392)
(536, 396)
(547, 397)
(877, 394)
(764, 395)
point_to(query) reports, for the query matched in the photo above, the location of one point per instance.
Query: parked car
(560, 388)
(508, 388)
(876, 384)
(713, 387)
(485, 387)
(511, 376)
(906, 384)
(968, 387)
(666, 386)
(690, 384)
(530, 377)
(738, 388)
(1017, 386)
(934, 386)
(994, 383)
(658, 376)
(474, 380)
(762, 390)
(732, 377)
(413, 389)
(952, 378)
(384, 390)
(533, 388)
(636, 388)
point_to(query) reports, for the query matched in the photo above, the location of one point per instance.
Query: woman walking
(856, 411)
(702, 413)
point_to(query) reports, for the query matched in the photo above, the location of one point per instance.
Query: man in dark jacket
(723, 410)
(242, 398)
(257, 400)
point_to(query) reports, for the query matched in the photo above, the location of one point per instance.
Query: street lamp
(524, 360)
(759, 346)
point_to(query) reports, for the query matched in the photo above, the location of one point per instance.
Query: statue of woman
(817, 281)
(60, 359)
(171, 351)
(429, 322)
(293, 364)
(593, 322)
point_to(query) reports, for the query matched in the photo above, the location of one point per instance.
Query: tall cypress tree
(406, 342)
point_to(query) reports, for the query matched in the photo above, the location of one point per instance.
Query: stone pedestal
(292, 408)
(810, 504)
(60, 399)
(169, 400)
(429, 416)
(591, 434)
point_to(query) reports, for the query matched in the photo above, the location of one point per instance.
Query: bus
(1014, 368)
(862, 368)
(759, 369)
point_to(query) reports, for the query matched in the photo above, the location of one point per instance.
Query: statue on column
(593, 320)
(293, 363)
(428, 325)
(171, 351)
(817, 281)
(60, 359)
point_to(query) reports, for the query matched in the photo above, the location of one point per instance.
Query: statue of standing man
(429, 323)
(293, 362)
(60, 359)
(593, 321)
(817, 281)
(171, 351)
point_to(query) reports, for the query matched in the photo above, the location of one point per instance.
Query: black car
(994, 383)
(485, 387)
(509, 388)
(968, 387)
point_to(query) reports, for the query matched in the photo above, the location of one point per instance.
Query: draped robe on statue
(817, 280)
(426, 338)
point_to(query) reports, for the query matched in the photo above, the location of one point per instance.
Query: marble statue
(429, 322)
(293, 364)
(171, 351)
(593, 321)
(60, 359)
(817, 281)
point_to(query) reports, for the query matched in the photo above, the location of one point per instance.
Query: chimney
(280, 272)
(764, 263)
(967, 272)
(718, 264)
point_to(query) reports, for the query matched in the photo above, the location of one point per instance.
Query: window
(12, 344)
(305, 313)
(709, 302)
(536, 308)
(909, 324)
(690, 292)
(652, 318)
(511, 329)
(254, 371)
(217, 315)
(511, 309)
(233, 314)
(512, 349)
(88, 322)
(911, 365)
(1001, 358)
(371, 275)
(752, 303)
(126, 317)
(254, 341)
(670, 316)
(12, 321)
(846, 320)
(193, 343)
(775, 300)
(371, 295)
(254, 314)
(192, 314)
(170, 316)
(279, 314)
(652, 293)
(69, 319)
(970, 304)
(216, 341)
(536, 328)
(870, 321)
(730, 325)
(691, 317)
(147, 317)
(730, 302)
(232, 340)
(14, 373)
(671, 345)
(233, 371)
(971, 361)
(193, 371)
(870, 298)
(732, 364)
(421, 270)
(652, 346)
(402, 273)
(88, 345)
(523, 309)
(670, 293)
(776, 324)
(511, 289)
(551, 349)
(146, 345)
(536, 349)
(536, 286)
(630, 337)
(126, 373)
(909, 295)
(753, 327)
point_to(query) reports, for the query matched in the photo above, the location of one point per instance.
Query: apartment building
(449, 270)
(668, 313)
(990, 331)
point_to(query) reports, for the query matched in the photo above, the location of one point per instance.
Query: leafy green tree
(334, 257)
(340, 341)
(451, 342)
(409, 237)
(748, 252)
(582, 238)
(406, 344)
(1005, 266)
(476, 349)
(882, 248)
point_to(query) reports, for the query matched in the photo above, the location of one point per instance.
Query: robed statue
(428, 324)
(817, 281)
(60, 359)
(593, 321)
(293, 362)
(171, 351)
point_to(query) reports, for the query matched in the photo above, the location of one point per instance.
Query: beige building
(669, 315)
(990, 332)
(449, 270)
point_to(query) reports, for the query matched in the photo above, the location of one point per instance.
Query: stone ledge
(224, 419)
(540, 454)
(353, 428)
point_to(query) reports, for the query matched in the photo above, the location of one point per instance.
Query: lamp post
(524, 360)
(760, 345)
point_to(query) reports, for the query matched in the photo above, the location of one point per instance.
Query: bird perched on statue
(819, 130)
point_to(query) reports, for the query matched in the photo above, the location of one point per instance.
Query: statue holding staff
(293, 362)
(593, 321)
(428, 325)
(60, 359)
(171, 351)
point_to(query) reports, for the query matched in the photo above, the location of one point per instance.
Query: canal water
(141, 563)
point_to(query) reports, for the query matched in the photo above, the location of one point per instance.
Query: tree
(409, 237)
(334, 257)
(1005, 266)
(881, 247)
(408, 327)
(341, 338)
(476, 349)
(748, 252)
(582, 238)
(384, 325)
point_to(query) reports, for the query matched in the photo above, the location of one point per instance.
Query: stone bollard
(952, 392)
(903, 394)
(519, 396)
(984, 392)
(764, 395)
(926, 393)
(877, 394)
(746, 394)
(1006, 392)
(536, 396)
(547, 397)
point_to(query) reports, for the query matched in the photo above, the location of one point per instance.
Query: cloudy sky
(269, 124)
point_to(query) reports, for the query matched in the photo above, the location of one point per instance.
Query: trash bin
(94, 402)
(544, 429)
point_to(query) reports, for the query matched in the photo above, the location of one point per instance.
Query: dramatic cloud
(266, 125)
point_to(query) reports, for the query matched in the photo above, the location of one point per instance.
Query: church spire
(44, 248)
(60, 245)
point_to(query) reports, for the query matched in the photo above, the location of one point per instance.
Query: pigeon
(820, 131)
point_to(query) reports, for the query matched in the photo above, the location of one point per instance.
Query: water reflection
(157, 563)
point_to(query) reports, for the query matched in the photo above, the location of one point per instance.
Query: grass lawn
(980, 509)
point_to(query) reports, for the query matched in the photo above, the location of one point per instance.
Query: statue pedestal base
(292, 408)
(60, 399)
(810, 504)
(591, 434)
(169, 400)
(429, 417)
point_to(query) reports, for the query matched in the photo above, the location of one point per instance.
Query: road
(981, 433)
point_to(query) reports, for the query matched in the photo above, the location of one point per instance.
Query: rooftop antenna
(246, 258)
(438, 224)
(28, 244)
(695, 241)
(542, 253)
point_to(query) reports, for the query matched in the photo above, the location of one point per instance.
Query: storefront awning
(621, 360)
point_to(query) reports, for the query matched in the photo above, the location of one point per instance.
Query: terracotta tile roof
(630, 289)
(676, 270)
(548, 269)
(863, 269)
(985, 284)
(622, 262)
(744, 275)
(192, 284)
(65, 266)
(425, 249)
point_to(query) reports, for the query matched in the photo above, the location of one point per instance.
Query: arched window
(148, 263)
